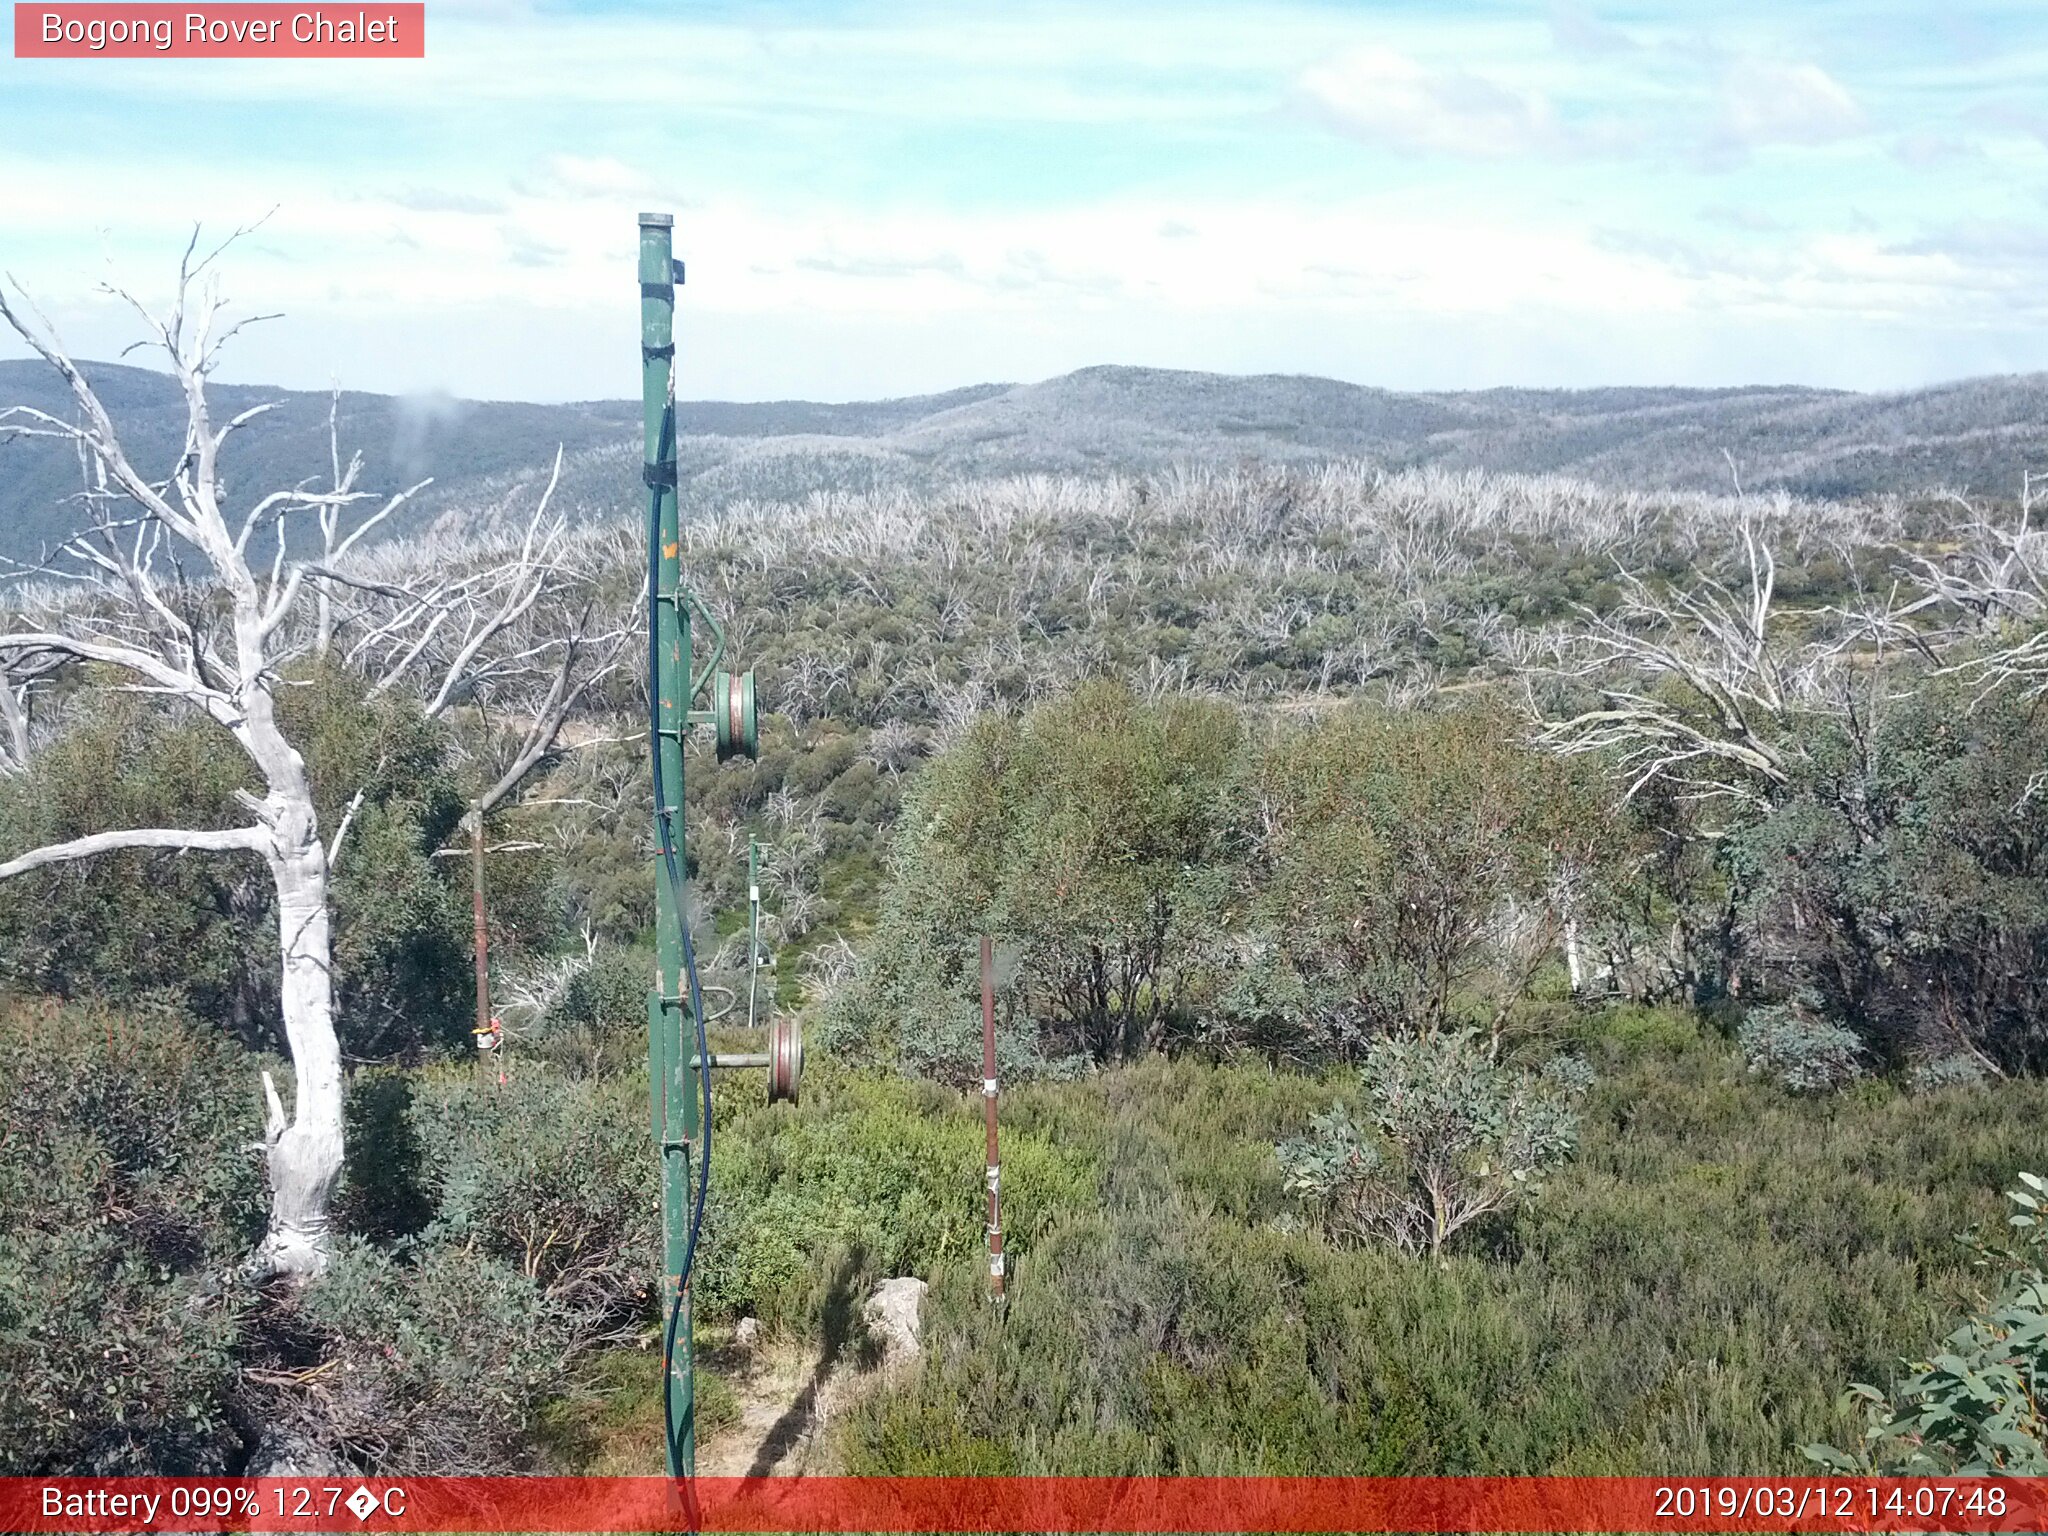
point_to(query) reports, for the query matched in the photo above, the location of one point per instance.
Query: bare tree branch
(1994, 591)
(234, 839)
(1694, 690)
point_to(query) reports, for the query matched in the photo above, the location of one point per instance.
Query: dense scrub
(1903, 880)
(494, 1238)
(1229, 764)
(882, 624)
(1186, 874)
(1973, 1406)
(1688, 1296)
(1690, 1292)
(122, 1189)
(199, 933)
(870, 1177)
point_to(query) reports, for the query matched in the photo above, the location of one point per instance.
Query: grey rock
(892, 1314)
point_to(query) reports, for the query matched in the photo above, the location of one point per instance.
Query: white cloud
(859, 305)
(1766, 101)
(1379, 94)
(1924, 151)
(1577, 30)
(527, 63)
(866, 301)
(1082, 218)
(589, 176)
(2015, 118)
(437, 200)
(880, 266)
(1752, 220)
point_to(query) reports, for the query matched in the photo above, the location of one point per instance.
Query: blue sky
(881, 199)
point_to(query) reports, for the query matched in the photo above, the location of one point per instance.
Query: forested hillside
(1498, 975)
(1976, 435)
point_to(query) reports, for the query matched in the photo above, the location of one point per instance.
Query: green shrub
(132, 925)
(608, 996)
(200, 930)
(438, 1361)
(1904, 876)
(1411, 871)
(1088, 838)
(548, 1174)
(1803, 1054)
(517, 1229)
(1455, 1136)
(1937, 1073)
(114, 1365)
(383, 1193)
(1683, 1300)
(125, 1189)
(517, 1226)
(1631, 1031)
(1163, 880)
(869, 1177)
(1978, 1407)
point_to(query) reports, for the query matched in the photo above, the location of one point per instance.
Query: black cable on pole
(664, 815)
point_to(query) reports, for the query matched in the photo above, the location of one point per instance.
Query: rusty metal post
(490, 1038)
(483, 932)
(988, 1101)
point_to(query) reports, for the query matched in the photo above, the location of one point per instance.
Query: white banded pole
(988, 1100)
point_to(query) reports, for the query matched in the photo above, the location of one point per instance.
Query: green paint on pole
(672, 1032)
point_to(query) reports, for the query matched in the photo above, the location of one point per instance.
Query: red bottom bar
(1137, 1504)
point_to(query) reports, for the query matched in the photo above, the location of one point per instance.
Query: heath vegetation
(1496, 975)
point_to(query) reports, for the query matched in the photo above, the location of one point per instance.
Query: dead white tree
(217, 641)
(487, 645)
(893, 746)
(469, 632)
(18, 686)
(1694, 685)
(1993, 591)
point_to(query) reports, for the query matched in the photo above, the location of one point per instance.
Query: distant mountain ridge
(1977, 433)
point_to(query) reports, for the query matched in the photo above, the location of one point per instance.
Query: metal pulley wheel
(785, 1059)
(732, 711)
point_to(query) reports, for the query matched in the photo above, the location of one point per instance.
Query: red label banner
(365, 29)
(1061, 1504)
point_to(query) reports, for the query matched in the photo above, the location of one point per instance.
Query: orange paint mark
(668, 551)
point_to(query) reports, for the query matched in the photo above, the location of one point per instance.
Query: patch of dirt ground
(787, 1396)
